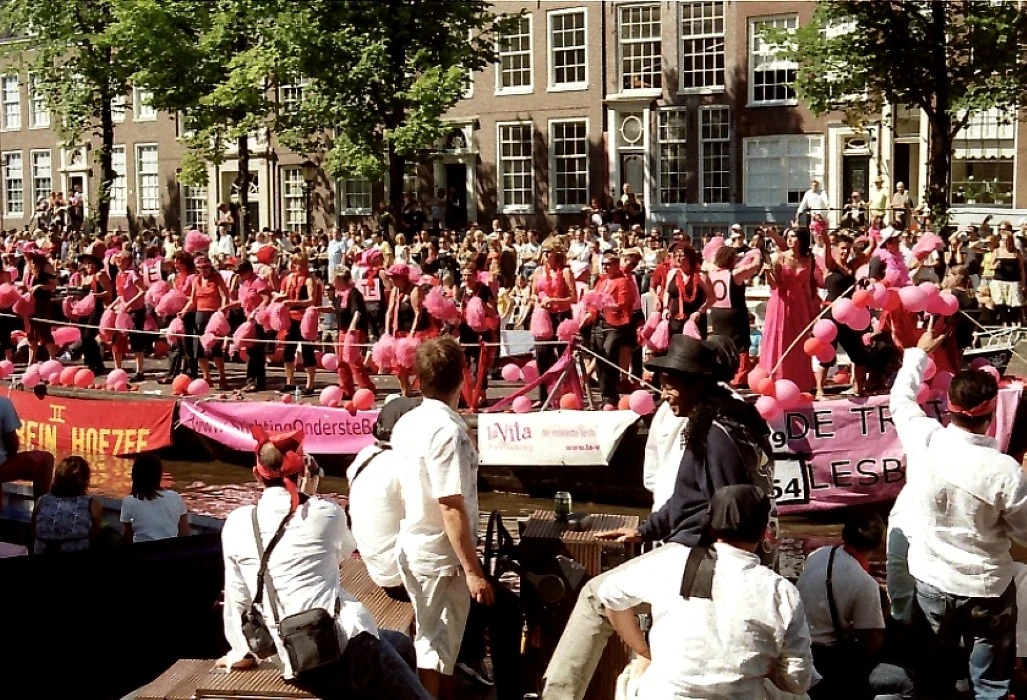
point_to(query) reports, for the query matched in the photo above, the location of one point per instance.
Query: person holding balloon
(180, 354)
(794, 303)
(207, 294)
(40, 283)
(130, 299)
(253, 295)
(405, 317)
(353, 323)
(553, 294)
(298, 291)
(840, 283)
(97, 282)
(479, 323)
(686, 293)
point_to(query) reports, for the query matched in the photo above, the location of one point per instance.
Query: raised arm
(911, 423)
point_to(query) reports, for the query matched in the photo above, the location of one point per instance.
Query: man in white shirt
(36, 466)
(303, 568)
(437, 557)
(226, 242)
(376, 501)
(336, 251)
(723, 625)
(963, 504)
(814, 201)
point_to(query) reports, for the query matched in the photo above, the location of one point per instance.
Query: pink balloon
(924, 394)
(530, 371)
(993, 371)
(914, 299)
(84, 377)
(30, 378)
(788, 394)
(6, 369)
(117, 375)
(53, 378)
(980, 363)
(842, 308)
(609, 407)
(511, 372)
(198, 387)
(286, 398)
(929, 288)
(949, 303)
(330, 361)
(891, 277)
(66, 335)
(120, 386)
(826, 354)
(825, 330)
(522, 404)
(930, 369)
(859, 319)
(941, 381)
(769, 408)
(49, 367)
(331, 395)
(641, 402)
(880, 293)
(67, 377)
(363, 399)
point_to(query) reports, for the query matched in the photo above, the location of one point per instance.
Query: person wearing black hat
(726, 442)
(723, 625)
(97, 282)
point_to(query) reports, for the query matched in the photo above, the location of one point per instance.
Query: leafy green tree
(208, 61)
(72, 54)
(382, 76)
(950, 58)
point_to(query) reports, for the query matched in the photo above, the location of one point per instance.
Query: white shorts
(441, 605)
(1006, 293)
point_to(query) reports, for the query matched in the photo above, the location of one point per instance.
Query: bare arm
(184, 530)
(458, 529)
(11, 443)
(625, 622)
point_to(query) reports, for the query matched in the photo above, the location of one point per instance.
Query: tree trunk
(939, 165)
(397, 166)
(107, 174)
(244, 186)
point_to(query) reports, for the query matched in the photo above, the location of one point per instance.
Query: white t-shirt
(375, 512)
(437, 460)
(663, 451)
(9, 422)
(156, 519)
(856, 595)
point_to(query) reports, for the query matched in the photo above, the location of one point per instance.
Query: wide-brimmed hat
(686, 355)
(888, 233)
(89, 257)
(398, 270)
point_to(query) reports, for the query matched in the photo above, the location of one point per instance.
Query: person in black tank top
(1007, 286)
(841, 282)
(733, 321)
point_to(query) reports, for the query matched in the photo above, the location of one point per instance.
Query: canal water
(216, 488)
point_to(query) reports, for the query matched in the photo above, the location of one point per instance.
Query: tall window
(148, 179)
(778, 169)
(42, 175)
(292, 199)
(702, 45)
(119, 187)
(568, 61)
(516, 169)
(39, 115)
(640, 47)
(715, 154)
(291, 94)
(194, 203)
(14, 184)
(10, 92)
(354, 195)
(513, 74)
(118, 108)
(568, 144)
(770, 77)
(671, 134)
(144, 111)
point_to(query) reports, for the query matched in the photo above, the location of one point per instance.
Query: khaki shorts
(1006, 293)
(441, 605)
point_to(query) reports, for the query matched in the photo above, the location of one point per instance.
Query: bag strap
(830, 595)
(265, 555)
(697, 581)
(362, 467)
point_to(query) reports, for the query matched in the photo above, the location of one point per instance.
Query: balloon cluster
(776, 397)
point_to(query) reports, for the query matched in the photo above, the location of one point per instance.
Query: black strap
(830, 596)
(697, 581)
(265, 555)
(362, 467)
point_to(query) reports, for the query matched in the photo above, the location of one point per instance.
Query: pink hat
(372, 256)
(398, 270)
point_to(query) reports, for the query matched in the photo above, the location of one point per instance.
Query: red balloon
(625, 403)
(812, 346)
(756, 375)
(570, 402)
(863, 297)
(180, 384)
(893, 302)
(766, 387)
(806, 397)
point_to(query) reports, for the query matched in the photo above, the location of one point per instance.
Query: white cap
(888, 233)
(736, 227)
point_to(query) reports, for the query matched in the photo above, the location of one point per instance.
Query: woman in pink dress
(792, 307)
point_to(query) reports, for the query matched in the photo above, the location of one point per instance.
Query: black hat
(686, 355)
(739, 512)
(89, 256)
(390, 414)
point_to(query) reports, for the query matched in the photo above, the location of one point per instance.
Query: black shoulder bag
(697, 581)
(311, 637)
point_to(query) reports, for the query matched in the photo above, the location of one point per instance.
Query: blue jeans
(988, 625)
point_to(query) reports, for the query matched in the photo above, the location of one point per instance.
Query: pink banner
(327, 430)
(847, 452)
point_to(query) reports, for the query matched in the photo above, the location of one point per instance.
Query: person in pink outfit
(793, 305)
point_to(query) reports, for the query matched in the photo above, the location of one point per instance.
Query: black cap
(686, 355)
(390, 414)
(739, 513)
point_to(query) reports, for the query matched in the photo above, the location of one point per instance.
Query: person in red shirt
(612, 328)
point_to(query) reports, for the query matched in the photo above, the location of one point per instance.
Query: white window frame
(8, 179)
(119, 186)
(32, 173)
(195, 216)
(295, 89)
(699, 37)
(141, 187)
(530, 53)
(678, 143)
(119, 108)
(5, 123)
(342, 190)
(574, 85)
(289, 199)
(753, 38)
(504, 207)
(142, 110)
(707, 109)
(782, 170)
(621, 9)
(554, 206)
(38, 119)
